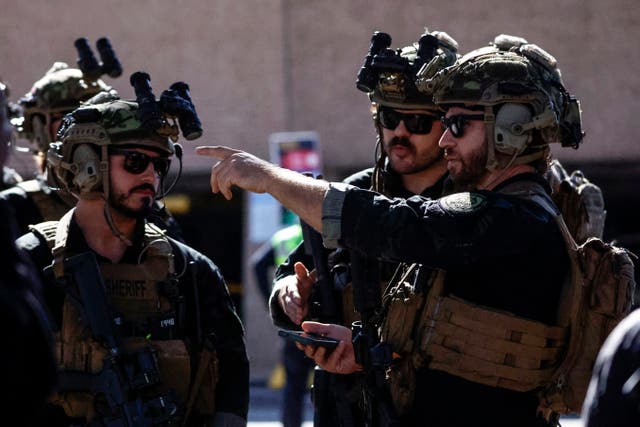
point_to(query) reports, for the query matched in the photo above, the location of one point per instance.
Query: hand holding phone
(308, 338)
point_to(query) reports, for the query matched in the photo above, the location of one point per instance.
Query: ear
(510, 136)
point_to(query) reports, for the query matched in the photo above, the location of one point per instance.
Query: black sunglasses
(420, 124)
(457, 123)
(136, 162)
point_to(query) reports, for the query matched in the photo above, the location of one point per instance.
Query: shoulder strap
(58, 251)
(47, 230)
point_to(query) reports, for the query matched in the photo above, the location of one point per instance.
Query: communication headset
(86, 168)
(511, 133)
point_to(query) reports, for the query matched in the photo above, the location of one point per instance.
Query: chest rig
(148, 314)
(427, 327)
(50, 208)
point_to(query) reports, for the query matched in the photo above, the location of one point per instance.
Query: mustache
(399, 141)
(145, 186)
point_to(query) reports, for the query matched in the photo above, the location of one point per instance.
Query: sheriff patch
(122, 288)
(462, 203)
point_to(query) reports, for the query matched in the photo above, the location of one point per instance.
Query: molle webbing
(51, 208)
(490, 347)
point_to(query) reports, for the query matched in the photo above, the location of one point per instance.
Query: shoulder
(35, 245)
(360, 179)
(14, 192)
(187, 257)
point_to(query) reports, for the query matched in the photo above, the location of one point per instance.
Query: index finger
(216, 151)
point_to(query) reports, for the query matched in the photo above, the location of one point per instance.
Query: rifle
(374, 356)
(124, 375)
(331, 405)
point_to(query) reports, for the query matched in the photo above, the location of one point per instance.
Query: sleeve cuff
(332, 214)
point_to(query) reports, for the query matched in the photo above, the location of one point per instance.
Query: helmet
(396, 79)
(519, 86)
(59, 91)
(390, 77)
(78, 162)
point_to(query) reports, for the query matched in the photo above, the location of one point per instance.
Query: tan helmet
(60, 91)
(78, 162)
(519, 87)
(391, 77)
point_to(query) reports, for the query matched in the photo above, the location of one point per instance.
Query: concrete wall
(261, 66)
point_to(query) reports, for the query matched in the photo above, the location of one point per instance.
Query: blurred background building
(256, 67)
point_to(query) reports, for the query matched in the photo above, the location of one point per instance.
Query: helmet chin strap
(112, 225)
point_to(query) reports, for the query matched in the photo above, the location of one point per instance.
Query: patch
(462, 202)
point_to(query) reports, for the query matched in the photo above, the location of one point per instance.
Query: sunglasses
(457, 123)
(420, 124)
(136, 162)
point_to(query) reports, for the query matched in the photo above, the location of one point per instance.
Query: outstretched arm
(302, 195)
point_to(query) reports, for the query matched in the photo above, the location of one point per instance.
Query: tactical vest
(477, 343)
(145, 296)
(50, 208)
(500, 349)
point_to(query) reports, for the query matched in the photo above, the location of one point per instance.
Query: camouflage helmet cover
(511, 70)
(102, 121)
(60, 90)
(398, 74)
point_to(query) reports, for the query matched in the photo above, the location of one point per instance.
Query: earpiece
(86, 169)
(511, 134)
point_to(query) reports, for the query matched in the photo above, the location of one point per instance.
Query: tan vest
(132, 291)
(51, 208)
(477, 343)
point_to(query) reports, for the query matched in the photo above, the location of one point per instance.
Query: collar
(527, 176)
(393, 181)
(76, 243)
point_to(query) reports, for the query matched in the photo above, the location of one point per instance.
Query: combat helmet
(518, 86)
(58, 92)
(390, 77)
(79, 160)
(394, 79)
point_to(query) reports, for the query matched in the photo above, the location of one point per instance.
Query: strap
(206, 357)
(58, 251)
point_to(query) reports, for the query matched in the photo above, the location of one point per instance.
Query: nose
(446, 140)
(149, 173)
(401, 130)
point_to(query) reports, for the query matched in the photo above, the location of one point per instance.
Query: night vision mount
(89, 65)
(175, 104)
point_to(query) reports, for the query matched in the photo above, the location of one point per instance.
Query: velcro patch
(462, 203)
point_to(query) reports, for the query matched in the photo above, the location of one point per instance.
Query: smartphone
(309, 338)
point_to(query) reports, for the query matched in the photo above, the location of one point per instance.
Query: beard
(471, 171)
(117, 202)
(422, 162)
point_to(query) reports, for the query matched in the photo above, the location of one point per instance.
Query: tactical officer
(477, 346)
(26, 361)
(408, 162)
(58, 92)
(171, 349)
